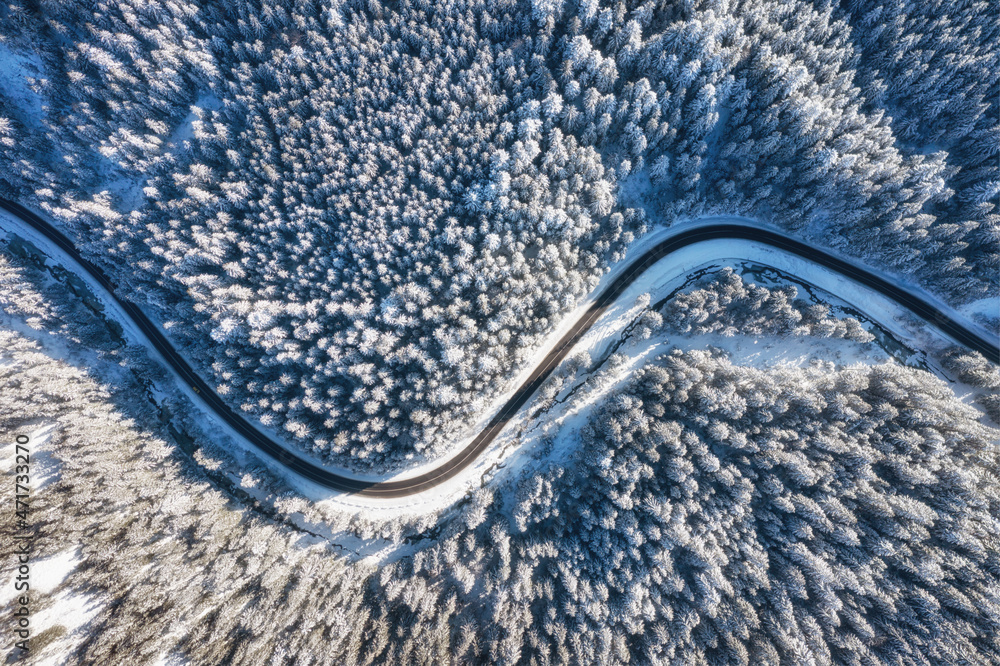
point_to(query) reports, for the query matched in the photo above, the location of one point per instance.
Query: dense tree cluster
(973, 369)
(727, 305)
(372, 228)
(794, 515)
(53, 307)
(716, 514)
(723, 514)
(934, 68)
(713, 513)
(361, 217)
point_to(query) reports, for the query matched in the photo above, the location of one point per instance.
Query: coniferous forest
(361, 218)
(362, 221)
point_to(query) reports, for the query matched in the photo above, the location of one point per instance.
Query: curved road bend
(453, 466)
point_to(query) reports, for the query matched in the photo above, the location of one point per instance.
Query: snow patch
(15, 71)
(72, 612)
(985, 311)
(44, 466)
(48, 574)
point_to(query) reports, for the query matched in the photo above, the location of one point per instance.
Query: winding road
(409, 486)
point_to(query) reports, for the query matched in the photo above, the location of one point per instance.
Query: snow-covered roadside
(668, 272)
(219, 429)
(569, 410)
(960, 313)
(237, 470)
(659, 281)
(207, 420)
(556, 437)
(985, 307)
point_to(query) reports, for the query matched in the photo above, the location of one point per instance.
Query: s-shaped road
(398, 488)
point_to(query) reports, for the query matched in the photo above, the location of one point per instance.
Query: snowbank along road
(917, 305)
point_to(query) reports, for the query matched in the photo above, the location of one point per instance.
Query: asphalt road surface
(453, 466)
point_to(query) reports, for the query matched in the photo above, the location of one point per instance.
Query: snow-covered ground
(68, 610)
(129, 190)
(46, 574)
(551, 434)
(988, 308)
(17, 70)
(568, 411)
(12, 225)
(44, 465)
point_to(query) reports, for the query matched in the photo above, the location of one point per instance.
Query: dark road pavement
(317, 474)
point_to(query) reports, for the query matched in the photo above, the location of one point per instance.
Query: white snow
(70, 611)
(665, 276)
(44, 465)
(988, 307)
(12, 224)
(40, 474)
(15, 71)
(170, 659)
(659, 281)
(128, 188)
(570, 409)
(49, 573)
(207, 101)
